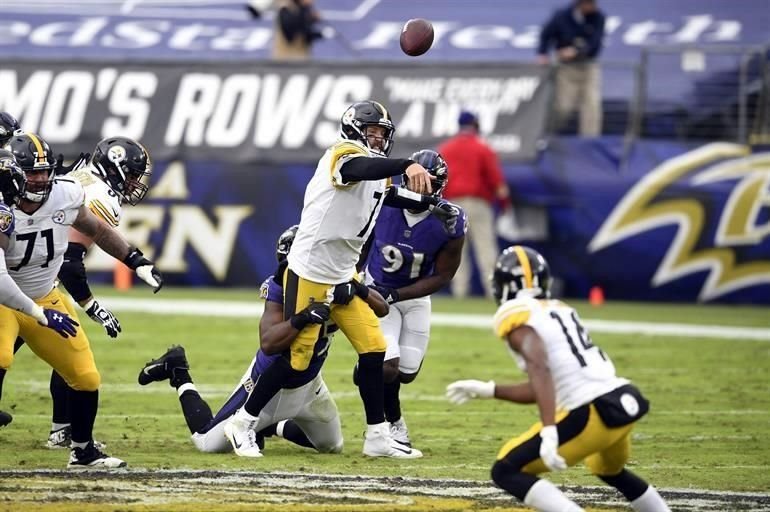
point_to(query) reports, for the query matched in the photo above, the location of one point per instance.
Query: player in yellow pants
(355, 319)
(44, 208)
(342, 201)
(568, 373)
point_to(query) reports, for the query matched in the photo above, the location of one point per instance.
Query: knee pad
(337, 448)
(6, 360)
(89, 381)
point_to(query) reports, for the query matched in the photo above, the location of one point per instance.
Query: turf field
(707, 429)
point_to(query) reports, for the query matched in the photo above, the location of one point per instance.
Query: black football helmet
(368, 113)
(125, 165)
(34, 156)
(436, 166)
(11, 178)
(283, 246)
(8, 126)
(521, 270)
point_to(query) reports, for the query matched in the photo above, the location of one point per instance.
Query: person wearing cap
(475, 184)
(575, 33)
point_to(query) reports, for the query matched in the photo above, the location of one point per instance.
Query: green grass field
(707, 428)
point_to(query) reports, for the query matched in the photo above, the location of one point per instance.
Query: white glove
(460, 391)
(549, 446)
(150, 275)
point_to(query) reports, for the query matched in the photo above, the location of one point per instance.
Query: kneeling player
(587, 413)
(303, 412)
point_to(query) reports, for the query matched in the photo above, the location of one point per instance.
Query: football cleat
(400, 433)
(92, 457)
(163, 367)
(240, 433)
(62, 437)
(5, 418)
(378, 443)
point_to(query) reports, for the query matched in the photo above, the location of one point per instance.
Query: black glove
(103, 316)
(448, 214)
(344, 293)
(81, 161)
(315, 313)
(389, 294)
(144, 268)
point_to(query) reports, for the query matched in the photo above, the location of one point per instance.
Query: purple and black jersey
(400, 254)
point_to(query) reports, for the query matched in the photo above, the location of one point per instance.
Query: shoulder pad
(350, 146)
(513, 314)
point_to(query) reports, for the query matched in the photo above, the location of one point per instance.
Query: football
(416, 37)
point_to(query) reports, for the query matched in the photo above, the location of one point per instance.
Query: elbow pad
(73, 272)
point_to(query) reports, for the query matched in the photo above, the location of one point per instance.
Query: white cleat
(92, 457)
(240, 433)
(400, 433)
(378, 443)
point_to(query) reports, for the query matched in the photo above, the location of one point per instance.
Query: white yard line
(240, 309)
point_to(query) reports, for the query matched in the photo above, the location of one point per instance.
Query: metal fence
(688, 93)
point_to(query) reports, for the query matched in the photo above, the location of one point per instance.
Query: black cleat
(5, 418)
(163, 367)
(92, 457)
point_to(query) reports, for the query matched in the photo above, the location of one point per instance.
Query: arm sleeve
(372, 168)
(12, 296)
(73, 273)
(399, 197)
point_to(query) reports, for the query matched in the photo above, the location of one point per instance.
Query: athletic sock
(197, 413)
(650, 501)
(83, 406)
(60, 397)
(546, 497)
(392, 403)
(290, 431)
(371, 387)
(630, 485)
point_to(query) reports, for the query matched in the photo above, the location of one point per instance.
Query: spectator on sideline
(296, 29)
(475, 183)
(576, 33)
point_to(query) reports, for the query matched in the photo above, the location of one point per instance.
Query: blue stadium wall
(675, 222)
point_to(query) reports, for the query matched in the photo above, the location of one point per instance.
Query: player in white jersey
(11, 187)
(47, 208)
(340, 209)
(587, 413)
(118, 173)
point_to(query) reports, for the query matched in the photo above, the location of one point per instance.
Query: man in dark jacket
(575, 33)
(296, 28)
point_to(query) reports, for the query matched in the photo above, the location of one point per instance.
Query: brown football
(416, 37)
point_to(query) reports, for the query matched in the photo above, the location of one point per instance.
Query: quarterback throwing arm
(586, 411)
